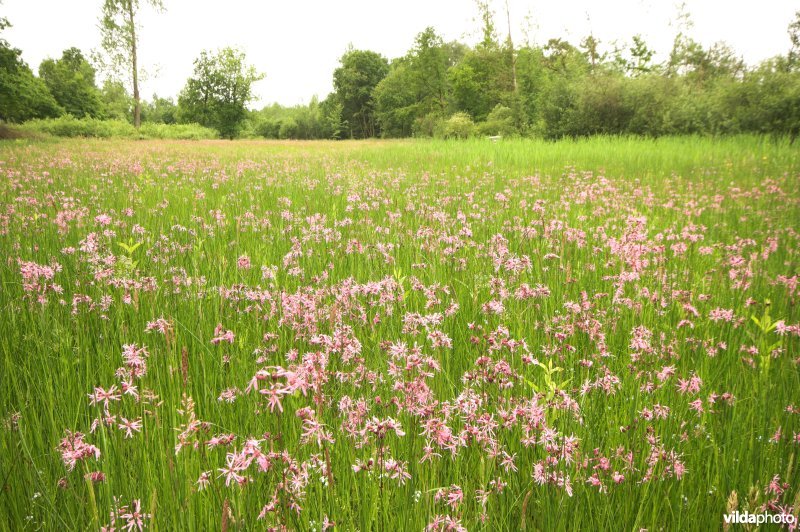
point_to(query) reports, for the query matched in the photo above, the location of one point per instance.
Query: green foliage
(69, 126)
(600, 106)
(354, 81)
(647, 100)
(126, 265)
(481, 80)
(23, 96)
(699, 65)
(177, 131)
(218, 92)
(591, 49)
(550, 385)
(794, 36)
(160, 111)
(428, 62)
(396, 102)
(486, 16)
(417, 85)
(559, 108)
(71, 81)
(499, 122)
(641, 56)
(332, 120)
(428, 125)
(288, 129)
(317, 120)
(768, 100)
(458, 126)
(763, 339)
(117, 103)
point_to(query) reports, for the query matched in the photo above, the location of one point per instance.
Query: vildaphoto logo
(746, 518)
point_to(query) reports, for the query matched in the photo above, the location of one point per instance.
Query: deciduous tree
(354, 81)
(22, 95)
(218, 92)
(120, 41)
(71, 81)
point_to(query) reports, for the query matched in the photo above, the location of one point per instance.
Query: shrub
(69, 126)
(500, 121)
(288, 129)
(9, 132)
(458, 126)
(177, 131)
(428, 125)
(265, 127)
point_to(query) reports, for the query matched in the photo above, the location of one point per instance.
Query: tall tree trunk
(511, 46)
(137, 105)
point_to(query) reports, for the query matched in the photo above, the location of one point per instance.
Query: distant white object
(495, 138)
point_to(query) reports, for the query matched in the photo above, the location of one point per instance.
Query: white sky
(298, 43)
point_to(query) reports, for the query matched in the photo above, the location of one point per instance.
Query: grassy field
(595, 334)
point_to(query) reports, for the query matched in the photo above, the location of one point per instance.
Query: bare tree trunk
(511, 45)
(137, 105)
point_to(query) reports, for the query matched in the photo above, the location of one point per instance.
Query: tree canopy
(71, 81)
(23, 96)
(219, 91)
(354, 81)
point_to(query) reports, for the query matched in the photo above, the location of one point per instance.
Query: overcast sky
(298, 43)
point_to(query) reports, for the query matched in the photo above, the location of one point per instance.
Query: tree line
(557, 89)
(438, 88)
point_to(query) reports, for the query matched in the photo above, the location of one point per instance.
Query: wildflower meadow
(399, 335)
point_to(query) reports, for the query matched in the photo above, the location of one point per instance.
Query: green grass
(428, 210)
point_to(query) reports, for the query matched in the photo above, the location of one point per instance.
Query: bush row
(69, 126)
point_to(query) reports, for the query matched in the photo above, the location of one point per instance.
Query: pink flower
(679, 469)
(221, 335)
(160, 325)
(452, 496)
(204, 480)
(222, 439)
(234, 465)
(135, 359)
(720, 314)
(73, 449)
(95, 476)
(130, 426)
(243, 262)
(134, 516)
(228, 395)
(102, 396)
(445, 523)
(103, 219)
(274, 394)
